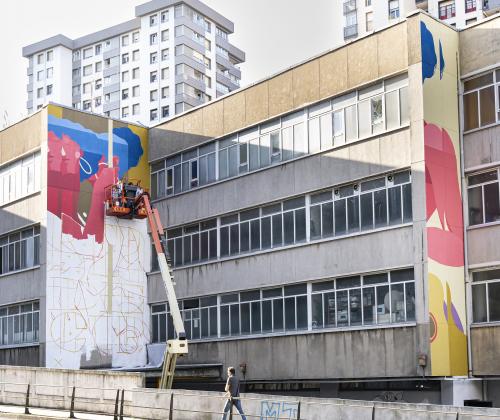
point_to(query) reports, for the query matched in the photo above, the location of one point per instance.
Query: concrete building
(332, 227)
(172, 56)
(362, 17)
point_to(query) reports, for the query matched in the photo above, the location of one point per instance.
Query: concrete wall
(485, 341)
(485, 35)
(482, 147)
(21, 138)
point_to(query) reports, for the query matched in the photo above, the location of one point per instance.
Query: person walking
(233, 394)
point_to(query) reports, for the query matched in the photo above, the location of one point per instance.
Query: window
(369, 22)
(20, 250)
(87, 105)
(220, 32)
(479, 100)
(40, 59)
(153, 76)
(165, 74)
(111, 62)
(98, 49)
(483, 198)
(50, 55)
(135, 37)
(39, 92)
(164, 54)
(135, 73)
(135, 55)
(153, 95)
(76, 90)
(125, 76)
(393, 9)
(368, 2)
(98, 84)
(135, 91)
(153, 39)
(76, 56)
(446, 9)
(19, 324)
(87, 52)
(165, 111)
(98, 101)
(125, 94)
(20, 178)
(125, 40)
(164, 16)
(39, 75)
(371, 299)
(486, 296)
(125, 58)
(98, 66)
(87, 70)
(153, 114)
(49, 90)
(125, 111)
(153, 58)
(165, 92)
(87, 88)
(164, 35)
(470, 6)
(76, 73)
(135, 109)
(50, 72)
(153, 20)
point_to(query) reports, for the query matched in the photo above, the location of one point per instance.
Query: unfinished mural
(446, 282)
(96, 265)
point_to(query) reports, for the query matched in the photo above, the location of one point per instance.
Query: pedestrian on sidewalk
(233, 394)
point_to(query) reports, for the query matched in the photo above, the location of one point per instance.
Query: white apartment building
(173, 56)
(362, 17)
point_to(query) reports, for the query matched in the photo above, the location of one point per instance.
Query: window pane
(383, 305)
(317, 310)
(369, 308)
(288, 227)
(329, 309)
(233, 160)
(487, 105)
(342, 308)
(340, 217)
(407, 206)
(300, 225)
(353, 214)
(277, 231)
(223, 164)
(213, 322)
(479, 303)
(327, 219)
(475, 206)
(299, 140)
(245, 236)
(314, 136)
(351, 126)
(213, 243)
(398, 304)
(366, 211)
(266, 232)
(392, 109)
(224, 241)
(267, 324)
(301, 312)
(234, 240)
(355, 306)
(491, 203)
(224, 320)
(278, 314)
(254, 154)
(290, 313)
(315, 225)
(494, 301)
(287, 137)
(404, 105)
(338, 129)
(256, 328)
(394, 205)
(471, 118)
(410, 301)
(245, 318)
(235, 320)
(365, 127)
(255, 234)
(380, 205)
(264, 151)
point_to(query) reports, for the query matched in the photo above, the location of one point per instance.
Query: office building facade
(171, 57)
(332, 228)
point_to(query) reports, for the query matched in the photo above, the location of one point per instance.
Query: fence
(141, 403)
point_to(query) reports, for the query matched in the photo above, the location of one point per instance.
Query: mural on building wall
(96, 265)
(439, 46)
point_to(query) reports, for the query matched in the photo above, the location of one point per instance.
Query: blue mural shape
(429, 59)
(441, 61)
(278, 410)
(126, 146)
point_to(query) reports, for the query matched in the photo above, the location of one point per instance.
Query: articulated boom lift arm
(130, 201)
(179, 345)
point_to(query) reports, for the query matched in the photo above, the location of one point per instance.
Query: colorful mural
(96, 282)
(446, 283)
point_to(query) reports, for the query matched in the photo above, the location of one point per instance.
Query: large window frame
(20, 178)
(358, 115)
(19, 324)
(293, 308)
(20, 250)
(485, 288)
(480, 186)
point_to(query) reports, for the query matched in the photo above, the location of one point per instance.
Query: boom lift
(130, 201)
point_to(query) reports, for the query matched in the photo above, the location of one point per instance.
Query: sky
(275, 34)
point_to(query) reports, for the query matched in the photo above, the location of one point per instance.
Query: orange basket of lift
(125, 201)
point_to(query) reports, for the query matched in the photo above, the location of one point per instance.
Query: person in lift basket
(233, 394)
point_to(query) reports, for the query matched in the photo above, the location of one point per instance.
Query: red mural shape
(443, 195)
(64, 188)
